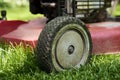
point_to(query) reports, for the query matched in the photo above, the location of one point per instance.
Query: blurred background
(19, 9)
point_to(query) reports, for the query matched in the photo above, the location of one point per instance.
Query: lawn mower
(74, 29)
(65, 42)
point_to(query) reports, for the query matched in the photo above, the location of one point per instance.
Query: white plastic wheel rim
(63, 57)
(84, 47)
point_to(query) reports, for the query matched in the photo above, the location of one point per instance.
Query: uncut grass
(18, 63)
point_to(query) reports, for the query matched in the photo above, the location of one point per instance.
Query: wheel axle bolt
(71, 49)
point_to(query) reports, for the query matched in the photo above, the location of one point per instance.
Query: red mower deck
(105, 35)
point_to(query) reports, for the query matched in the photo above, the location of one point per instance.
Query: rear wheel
(64, 43)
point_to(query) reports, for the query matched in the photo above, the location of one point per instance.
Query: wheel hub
(71, 49)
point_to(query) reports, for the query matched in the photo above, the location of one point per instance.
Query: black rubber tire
(47, 37)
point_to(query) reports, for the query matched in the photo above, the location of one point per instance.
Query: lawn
(18, 62)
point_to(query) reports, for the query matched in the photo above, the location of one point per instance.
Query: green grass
(117, 10)
(18, 63)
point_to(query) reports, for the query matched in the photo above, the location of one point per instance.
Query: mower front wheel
(64, 43)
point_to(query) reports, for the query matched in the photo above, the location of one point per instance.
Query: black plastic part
(60, 9)
(3, 15)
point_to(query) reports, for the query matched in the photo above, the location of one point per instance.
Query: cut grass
(18, 63)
